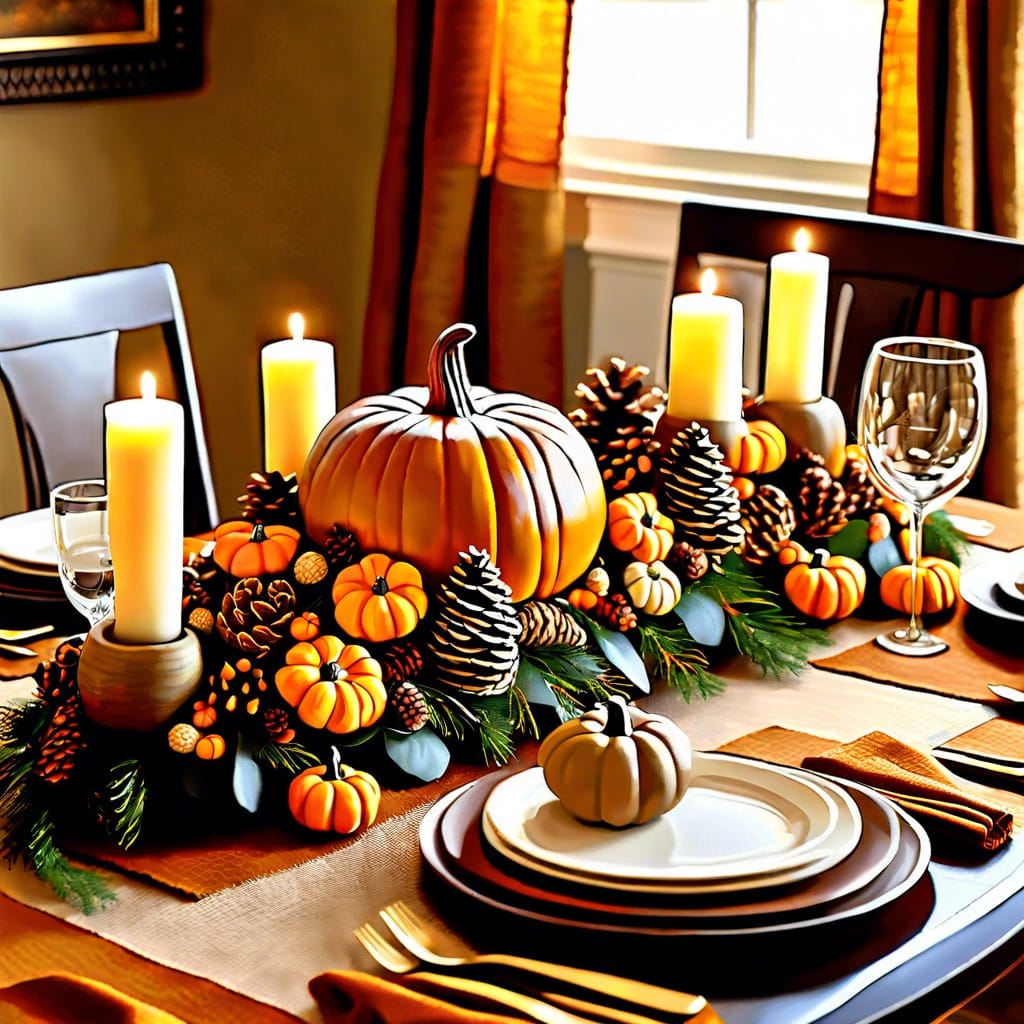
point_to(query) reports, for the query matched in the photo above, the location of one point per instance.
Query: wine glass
(79, 515)
(922, 420)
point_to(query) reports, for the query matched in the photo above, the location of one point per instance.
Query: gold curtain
(949, 150)
(470, 209)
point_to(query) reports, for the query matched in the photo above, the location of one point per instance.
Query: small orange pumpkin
(761, 450)
(204, 714)
(305, 626)
(827, 587)
(379, 599)
(635, 525)
(332, 685)
(210, 747)
(343, 801)
(938, 583)
(245, 549)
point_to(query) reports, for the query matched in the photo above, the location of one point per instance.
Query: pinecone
(862, 497)
(820, 502)
(614, 611)
(61, 743)
(689, 563)
(56, 679)
(271, 498)
(409, 706)
(251, 620)
(548, 624)
(475, 637)
(617, 418)
(241, 685)
(697, 494)
(399, 663)
(341, 547)
(278, 725)
(201, 620)
(768, 520)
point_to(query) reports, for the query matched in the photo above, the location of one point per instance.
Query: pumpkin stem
(819, 557)
(380, 586)
(331, 672)
(447, 377)
(618, 722)
(259, 535)
(335, 765)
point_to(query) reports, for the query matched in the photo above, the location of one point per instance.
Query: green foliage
(577, 676)
(289, 757)
(123, 800)
(78, 886)
(677, 659)
(943, 539)
(776, 642)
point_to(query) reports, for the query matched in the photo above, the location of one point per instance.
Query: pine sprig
(78, 886)
(123, 801)
(450, 717)
(497, 728)
(577, 677)
(773, 640)
(942, 538)
(290, 757)
(678, 660)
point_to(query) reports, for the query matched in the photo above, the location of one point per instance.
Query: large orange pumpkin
(423, 473)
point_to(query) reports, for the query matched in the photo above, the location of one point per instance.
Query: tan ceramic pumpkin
(423, 473)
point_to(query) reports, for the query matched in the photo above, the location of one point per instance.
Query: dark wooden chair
(58, 365)
(886, 277)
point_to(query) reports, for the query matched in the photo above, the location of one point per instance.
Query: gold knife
(18, 652)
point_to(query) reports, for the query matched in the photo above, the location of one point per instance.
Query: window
(731, 94)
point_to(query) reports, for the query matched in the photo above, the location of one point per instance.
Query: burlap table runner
(964, 670)
(36, 943)
(999, 737)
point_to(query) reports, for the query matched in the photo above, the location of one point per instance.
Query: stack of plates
(995, 587)
(28, 558)
(752, 850)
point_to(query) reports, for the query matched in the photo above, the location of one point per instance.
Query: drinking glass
(79, 513)
(922, 420)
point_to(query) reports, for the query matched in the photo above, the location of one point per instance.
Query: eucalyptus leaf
(883, 555)
(421, 754)
(534, 687)
(703, 617)
(246, 778)
(851, 540)
(616, 647)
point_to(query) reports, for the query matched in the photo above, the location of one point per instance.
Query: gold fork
(398, 961)
(430, 944)
(24, 634)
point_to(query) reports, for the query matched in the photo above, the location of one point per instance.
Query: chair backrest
(886, 275)
(58, 345)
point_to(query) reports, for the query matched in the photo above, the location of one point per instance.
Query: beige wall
(259, 190)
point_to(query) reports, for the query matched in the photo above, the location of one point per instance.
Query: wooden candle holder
(817, 426)
(136, 686)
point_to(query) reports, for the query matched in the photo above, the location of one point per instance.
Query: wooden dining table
(264, 917)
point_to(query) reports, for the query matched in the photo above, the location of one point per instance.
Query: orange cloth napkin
(73, 999)
(917, 782)
(351, 997)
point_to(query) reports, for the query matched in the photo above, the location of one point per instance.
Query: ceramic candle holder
(724, 433)
(818, 426)
(136, 686)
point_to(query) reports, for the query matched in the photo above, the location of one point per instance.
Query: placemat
(200, 866)
(964, 670)
(29, 950)
(999, 737)
(1008, 523)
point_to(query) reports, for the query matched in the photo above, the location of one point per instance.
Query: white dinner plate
(979, 584)
(739, 823)
(26, 539)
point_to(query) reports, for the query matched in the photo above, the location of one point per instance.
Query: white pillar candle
(797, 297)
(705, 376)
(298, 397)
(145, 446)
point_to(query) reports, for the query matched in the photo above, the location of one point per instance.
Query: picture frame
(98, 48)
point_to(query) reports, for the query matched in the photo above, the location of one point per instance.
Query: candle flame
(148, 385)
(708, 282)
(297, 325)
(802, 242)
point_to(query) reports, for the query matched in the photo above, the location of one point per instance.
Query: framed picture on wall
(91, 49)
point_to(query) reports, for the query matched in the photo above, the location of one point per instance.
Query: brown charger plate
(454, 849)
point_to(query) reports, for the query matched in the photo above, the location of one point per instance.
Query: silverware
(537, 1007)
(24, 634)
(956, 758)
(18, 652)
(1007, 692)
(426, 942)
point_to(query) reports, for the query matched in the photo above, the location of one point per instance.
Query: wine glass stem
(916, 527)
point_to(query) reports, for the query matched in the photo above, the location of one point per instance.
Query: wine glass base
(924, 646)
